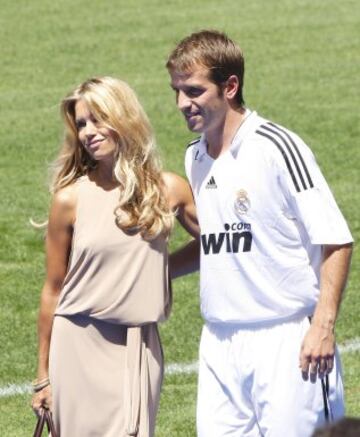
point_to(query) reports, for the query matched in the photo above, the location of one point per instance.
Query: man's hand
(318, 347)
(317, 352)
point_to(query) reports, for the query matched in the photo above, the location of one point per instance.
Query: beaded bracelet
(39, 385)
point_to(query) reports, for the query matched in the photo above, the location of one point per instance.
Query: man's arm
(185, 260)
(318, 347)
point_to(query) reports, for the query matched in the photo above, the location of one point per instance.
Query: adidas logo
(211, 183)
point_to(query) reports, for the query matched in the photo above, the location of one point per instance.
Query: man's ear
(231, 87)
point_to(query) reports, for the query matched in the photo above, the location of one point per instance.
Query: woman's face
(97, 139)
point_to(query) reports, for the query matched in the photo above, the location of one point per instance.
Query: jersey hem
(258, 324)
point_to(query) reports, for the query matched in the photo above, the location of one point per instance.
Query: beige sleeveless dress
(106, 363)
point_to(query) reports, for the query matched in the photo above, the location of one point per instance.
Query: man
(275, 255)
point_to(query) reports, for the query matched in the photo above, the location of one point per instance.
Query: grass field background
(302, 70)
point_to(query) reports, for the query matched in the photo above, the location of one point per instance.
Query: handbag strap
(45, 417)
(50, 423)
(40, 424)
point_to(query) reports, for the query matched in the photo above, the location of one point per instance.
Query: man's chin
(194, 127)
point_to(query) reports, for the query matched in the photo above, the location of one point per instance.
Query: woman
(107, 282)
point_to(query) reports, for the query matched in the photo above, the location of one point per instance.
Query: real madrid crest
(242, 202)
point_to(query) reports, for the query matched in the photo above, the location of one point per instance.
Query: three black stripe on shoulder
(194, 142)
(291, 154)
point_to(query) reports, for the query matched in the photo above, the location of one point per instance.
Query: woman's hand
(42, 399)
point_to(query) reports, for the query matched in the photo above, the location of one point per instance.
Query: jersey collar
(244, 128)
(201, 148)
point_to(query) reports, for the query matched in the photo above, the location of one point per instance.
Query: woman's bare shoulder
(177, 188)
(63, 205)
(65, 197)
(175, 182)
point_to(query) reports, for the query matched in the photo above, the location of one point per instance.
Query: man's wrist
(324, 321)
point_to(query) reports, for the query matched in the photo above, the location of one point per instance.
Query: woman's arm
(58, 246)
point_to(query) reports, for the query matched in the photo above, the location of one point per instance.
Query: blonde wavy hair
(143, 206)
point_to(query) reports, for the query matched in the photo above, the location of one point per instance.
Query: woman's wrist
(39, 384)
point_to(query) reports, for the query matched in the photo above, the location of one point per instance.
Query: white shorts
(250, 383)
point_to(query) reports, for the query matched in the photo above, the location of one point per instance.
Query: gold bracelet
(39, 385)
(36, 381)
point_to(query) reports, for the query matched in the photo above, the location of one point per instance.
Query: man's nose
(183, 101)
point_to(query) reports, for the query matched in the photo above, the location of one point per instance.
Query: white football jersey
(264, 210)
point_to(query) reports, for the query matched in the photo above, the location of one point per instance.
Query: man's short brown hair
(213, 50)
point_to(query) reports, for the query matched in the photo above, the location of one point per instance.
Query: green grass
(302, 64)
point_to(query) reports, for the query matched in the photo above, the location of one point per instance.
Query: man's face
(200, 100)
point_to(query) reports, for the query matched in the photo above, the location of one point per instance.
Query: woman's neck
(103, 176)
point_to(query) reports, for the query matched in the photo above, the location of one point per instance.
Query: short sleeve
(321, 217)
(308, 197)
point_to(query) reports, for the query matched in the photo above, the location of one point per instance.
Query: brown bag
(45, 417)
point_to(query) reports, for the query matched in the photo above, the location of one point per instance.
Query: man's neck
(219, 140)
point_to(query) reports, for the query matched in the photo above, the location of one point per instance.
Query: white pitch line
(179, 368)
(350, 346)
(171, 369)
(15, 389)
